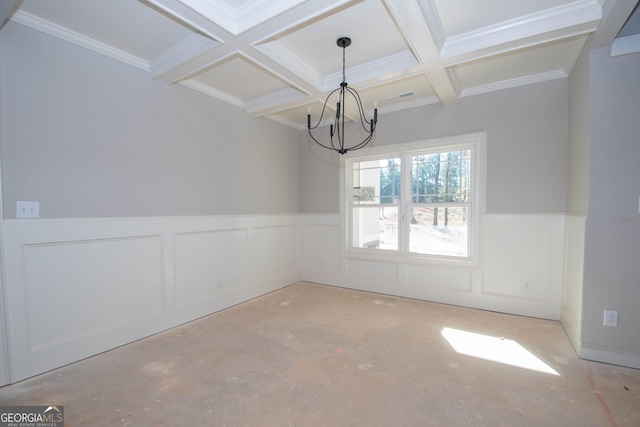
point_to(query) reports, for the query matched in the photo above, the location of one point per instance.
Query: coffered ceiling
(278, 58)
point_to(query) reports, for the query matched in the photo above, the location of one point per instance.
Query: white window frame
(476, 142)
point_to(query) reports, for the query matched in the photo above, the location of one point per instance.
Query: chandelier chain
(344, 62)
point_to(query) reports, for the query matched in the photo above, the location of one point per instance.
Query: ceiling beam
(419, 37)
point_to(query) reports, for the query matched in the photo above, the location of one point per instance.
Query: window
(421, 199)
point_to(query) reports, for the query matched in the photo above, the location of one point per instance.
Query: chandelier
(337, 129)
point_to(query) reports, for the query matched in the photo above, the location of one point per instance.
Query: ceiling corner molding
(361, 73)
(208, 90)
(62, 33)
(625, 45)
(512, 83)
(560, 18)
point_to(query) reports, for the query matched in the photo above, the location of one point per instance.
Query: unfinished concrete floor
(312, 355)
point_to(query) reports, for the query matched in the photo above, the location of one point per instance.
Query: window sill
(409, 258)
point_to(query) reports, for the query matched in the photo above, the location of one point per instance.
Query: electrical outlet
(527, 285)
(28, 210)
(219, 282)
(610, 318)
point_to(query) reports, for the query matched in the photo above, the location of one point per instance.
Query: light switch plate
(610, 318)
(27, 209)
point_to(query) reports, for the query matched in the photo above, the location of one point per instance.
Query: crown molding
(517, 82)
(550, 20)
(62, 33)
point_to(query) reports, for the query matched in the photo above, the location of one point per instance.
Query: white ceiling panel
(276, 58)
(536, 63)
(315, 43)
(240, 78)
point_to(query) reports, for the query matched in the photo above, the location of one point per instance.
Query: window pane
(375, 227)
(439, 231)
(376, 181)
(441, 177)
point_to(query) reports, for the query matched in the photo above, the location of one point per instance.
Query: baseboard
(631, 360)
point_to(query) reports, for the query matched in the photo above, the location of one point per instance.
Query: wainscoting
(78, 287)
(75, 288)
(514, 249)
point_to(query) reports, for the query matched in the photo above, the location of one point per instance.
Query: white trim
(612, 357)
(247, 16)
(432, 19)
(516, 82)
(216, 11)
(625, 45)
(558, 18)
(5, 360)
(476, 141)
(78, 39)
(185, 21)
(161, 269)
(323, 262)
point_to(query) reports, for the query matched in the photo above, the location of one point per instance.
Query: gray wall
(527, 149)
(579, 135)
(612, 267)
(88, 136)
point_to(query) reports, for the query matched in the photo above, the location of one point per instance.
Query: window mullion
(405, 197)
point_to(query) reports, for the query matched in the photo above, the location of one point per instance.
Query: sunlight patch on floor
(496, 349)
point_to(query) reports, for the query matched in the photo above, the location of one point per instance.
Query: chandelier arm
(363, 118)
(321, 144)
(326, 101)
(362, 144)
(324, 146)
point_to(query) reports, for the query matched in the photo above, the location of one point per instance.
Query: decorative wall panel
(78, 288)
(207, 263)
